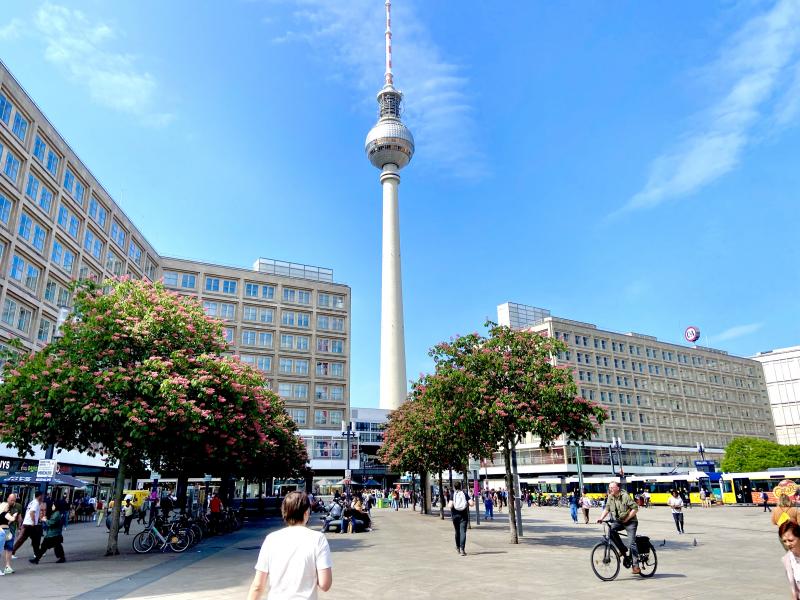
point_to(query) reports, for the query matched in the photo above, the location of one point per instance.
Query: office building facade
(782, 376)
(662, 399)
(58, 224)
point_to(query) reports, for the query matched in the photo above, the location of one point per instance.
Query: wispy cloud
(737, 331)
(438, 108)
(11, 30)
(755, 68)
(77, 45)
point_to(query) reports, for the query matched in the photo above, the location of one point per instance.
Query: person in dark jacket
(53, 537)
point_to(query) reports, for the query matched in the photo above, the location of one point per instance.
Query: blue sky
(629, 164)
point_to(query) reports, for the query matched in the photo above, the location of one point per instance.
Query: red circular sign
(692, 334)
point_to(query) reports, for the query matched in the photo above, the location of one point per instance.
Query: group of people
(352, 515)
(41, 522)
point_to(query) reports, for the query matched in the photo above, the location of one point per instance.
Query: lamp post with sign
(616, 444)
(349, 433)
(579, 447)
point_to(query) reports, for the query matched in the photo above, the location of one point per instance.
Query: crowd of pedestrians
(41, 521)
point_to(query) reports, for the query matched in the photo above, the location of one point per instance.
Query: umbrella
(32, 479)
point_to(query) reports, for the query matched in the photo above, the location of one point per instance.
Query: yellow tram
(746, 488)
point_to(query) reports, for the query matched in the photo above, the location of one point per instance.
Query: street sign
(207, 478)
(474, 464)
(348, 474)
(155, 475)
(47, 468)
(707, 466)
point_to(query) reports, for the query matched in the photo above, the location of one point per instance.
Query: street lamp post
(616, 444)
(579, 446)
(349, 433)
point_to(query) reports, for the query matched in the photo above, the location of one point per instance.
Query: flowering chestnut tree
(138, 375)
(505, 386)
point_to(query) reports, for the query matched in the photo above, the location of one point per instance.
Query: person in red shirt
(216, 510)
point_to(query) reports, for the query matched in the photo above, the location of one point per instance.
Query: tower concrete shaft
(393, 351)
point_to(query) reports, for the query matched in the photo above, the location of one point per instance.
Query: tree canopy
(746, 454)
(138, 375)
(487, 393)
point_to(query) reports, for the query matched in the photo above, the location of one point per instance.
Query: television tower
(389, 147)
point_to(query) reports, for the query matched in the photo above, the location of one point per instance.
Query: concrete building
(58, 223)
(663, 399)
(782, 375)
(389, 147)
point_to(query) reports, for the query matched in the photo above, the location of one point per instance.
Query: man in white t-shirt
(31, 528)
(295, 559)
(676, 504)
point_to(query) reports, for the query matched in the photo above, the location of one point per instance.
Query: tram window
(726, 485)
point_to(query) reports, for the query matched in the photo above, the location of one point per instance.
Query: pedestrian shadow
(347, 542)
(482, 552)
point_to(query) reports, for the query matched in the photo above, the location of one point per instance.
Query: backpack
(460, 502)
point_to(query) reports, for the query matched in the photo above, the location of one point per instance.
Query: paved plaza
(410, 555)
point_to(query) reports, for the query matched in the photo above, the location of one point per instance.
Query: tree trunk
(112, 548)
(466, 490)
(512, 513)
(441, 495)
(424, 506)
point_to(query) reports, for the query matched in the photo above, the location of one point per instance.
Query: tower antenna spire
(389, 77)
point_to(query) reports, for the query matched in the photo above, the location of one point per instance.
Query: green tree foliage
(488, 392)
(746, 454)
(139, 376)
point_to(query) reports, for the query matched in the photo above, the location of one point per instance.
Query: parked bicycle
(162, 535)
(606, 560)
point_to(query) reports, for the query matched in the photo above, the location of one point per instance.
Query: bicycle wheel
(648, 563)
(178, 541)
(143, 542)
(605, 561)
(198, 533)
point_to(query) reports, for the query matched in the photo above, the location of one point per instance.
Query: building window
(11, 168)
(212, 284)
(228, 286)
(255, 290)
(171, 279)
(327, 417)
(118, 234)
(297, 296)
(45, 327)
(295, 319)
(114, 263)
(5, 108)
(258, 314)
(38, 148)
(135, 252)
(98, 213)
(5, 209)
(227, 334)
(298, 415)
(69, 180)
(52, 163)
(188, 281)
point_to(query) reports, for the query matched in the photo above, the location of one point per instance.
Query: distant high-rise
(389, 147)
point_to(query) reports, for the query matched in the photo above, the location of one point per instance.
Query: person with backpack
(459, 512)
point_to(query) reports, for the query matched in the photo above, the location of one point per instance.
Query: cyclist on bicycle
(622, 509)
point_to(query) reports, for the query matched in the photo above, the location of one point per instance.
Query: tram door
(741, 488)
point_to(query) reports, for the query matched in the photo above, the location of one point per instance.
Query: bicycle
(606, 560)
(175, 539)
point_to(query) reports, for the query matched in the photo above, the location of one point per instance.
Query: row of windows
(19, 125)
(300, 343)
(299, 391)
(252, 290)
(20, 317)
(652, 353)
(259, 314)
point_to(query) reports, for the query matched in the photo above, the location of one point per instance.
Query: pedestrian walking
(573, 506)
(488, 507)
(676, 504)
(101, 511)
(31, 528)
(586, 504)
(295, 559)
(53, 538)
(10, 513)
(459, 513)
(127, 511)
(765, 500)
